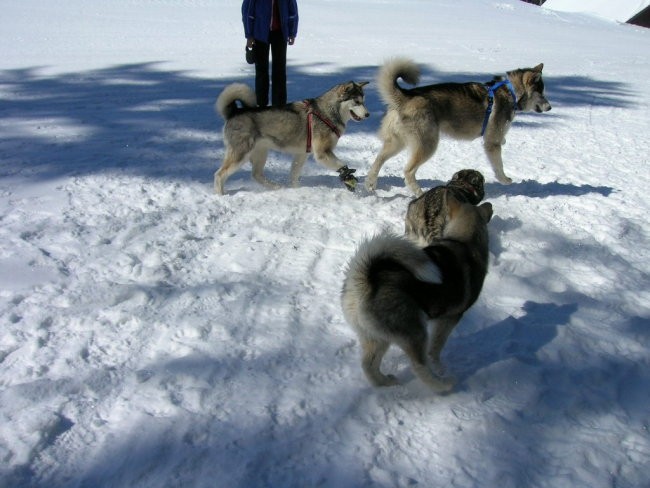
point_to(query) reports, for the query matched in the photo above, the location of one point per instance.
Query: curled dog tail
(227, 101)
(357, 287)
(390, 72)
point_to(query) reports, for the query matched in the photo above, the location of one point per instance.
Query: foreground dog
(416, 117)
(393, 288)
(297, 128)
(427, 215)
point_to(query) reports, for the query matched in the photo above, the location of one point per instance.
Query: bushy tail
(389, 246)
(227, 100)
(390, 72)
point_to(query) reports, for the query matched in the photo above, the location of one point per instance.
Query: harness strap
(490, 94)
(325, 120)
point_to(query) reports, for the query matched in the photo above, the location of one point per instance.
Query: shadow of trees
(144, 120)
(149, 122)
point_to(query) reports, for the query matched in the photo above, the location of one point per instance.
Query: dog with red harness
(299, 128)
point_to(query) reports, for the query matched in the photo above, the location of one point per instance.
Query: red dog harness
(323, 119)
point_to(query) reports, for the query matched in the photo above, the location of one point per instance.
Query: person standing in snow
(269, 25)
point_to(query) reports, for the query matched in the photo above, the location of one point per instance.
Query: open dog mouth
(355, 116)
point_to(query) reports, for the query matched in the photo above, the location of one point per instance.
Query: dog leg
(423, 149)
(493, 152)
(258, 160)
(391, 147)
(296, 168)
(415, 349)
(231, 162)
(443, 328)
(373, 351)
(327, 158)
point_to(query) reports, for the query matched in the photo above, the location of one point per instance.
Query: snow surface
(156, 335)
(619, 10)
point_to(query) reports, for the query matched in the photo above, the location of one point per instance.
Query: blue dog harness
(491, 89)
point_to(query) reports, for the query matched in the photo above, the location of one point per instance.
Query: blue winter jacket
(256, 15)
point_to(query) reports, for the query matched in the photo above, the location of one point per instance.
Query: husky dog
(297, 128)
(393, 289)
(416, 117)
(427, 215)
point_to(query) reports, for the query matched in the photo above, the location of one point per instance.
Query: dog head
(351, 99)
(530, 81)
(470, 183)
(468, 223)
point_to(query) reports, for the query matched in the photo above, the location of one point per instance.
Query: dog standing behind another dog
(416, 117)
(297, 128)
(427, 215)
(393, 289)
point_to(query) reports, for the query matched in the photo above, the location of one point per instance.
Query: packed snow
(154, 334)
(620, 10)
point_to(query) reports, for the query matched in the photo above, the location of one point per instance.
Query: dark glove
(347, 177)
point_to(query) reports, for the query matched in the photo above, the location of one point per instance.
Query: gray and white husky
(416, 117)
(313, 125)
(393, 290)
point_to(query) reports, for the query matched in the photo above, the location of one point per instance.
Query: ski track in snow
(157, 335)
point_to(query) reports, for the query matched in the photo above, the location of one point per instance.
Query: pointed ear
(363, 83)
(343, 88)
(532, 77)
(486, 211)
(539, 67)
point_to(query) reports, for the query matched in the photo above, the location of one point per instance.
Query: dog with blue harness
(416, 117)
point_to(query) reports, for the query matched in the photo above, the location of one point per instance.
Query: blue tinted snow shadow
(145, 120)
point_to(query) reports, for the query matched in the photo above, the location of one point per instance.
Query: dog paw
(438, 369)
(370, 185)
(388, 380)
(504, 180)
(445, 385)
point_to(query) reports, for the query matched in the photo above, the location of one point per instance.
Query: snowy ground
(621, 11)
(153, 334)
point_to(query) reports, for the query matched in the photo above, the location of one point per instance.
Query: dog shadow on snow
(519, 338)
(527, 188)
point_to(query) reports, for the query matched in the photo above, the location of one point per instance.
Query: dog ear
(539, 67)
(486, 211)
(344, 88)
(532, 77)
(362, 84)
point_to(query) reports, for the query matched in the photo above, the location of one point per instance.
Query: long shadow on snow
(578, 396)
(157, 123)
(528, 188)
(519, 338)
(578, 385)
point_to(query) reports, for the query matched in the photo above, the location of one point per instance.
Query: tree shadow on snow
(144, 120)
